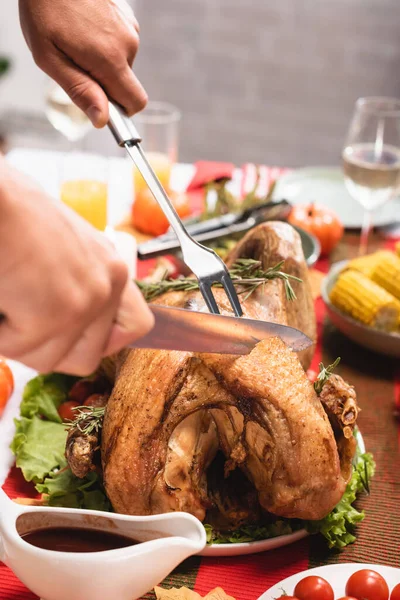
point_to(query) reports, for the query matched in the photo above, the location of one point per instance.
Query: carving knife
(191, 331)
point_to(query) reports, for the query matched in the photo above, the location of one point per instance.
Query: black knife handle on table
(122, 127)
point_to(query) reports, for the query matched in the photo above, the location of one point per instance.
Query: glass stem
(365, 231)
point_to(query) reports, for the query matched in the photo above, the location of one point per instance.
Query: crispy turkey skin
(171, 413)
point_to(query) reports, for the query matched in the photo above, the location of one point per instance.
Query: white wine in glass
(371, 157)
(64, 115)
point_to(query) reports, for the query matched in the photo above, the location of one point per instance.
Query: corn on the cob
(386, 273)
(366, 264)
(397, 248)
(365, 301)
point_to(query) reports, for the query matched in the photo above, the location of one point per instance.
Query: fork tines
(225, 280)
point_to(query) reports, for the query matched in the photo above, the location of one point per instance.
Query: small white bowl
(378, 341)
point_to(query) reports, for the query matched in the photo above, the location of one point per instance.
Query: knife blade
(192, 331)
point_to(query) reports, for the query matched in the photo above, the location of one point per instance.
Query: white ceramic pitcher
(122, 574)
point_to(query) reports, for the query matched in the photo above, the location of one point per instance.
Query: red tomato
(95, 400)
(6, 384)
(148, 217)
(395, 595)
(367, 585)
(65, 410)
(347, 598)
(321, 222)
(81, 390)
(313, 588)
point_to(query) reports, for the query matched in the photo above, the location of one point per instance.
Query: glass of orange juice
(158, 125)
(84, 187)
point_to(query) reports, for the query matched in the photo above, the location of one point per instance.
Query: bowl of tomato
(348, 581)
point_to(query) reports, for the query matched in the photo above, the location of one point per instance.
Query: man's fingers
(85, 355)
(80, 87)
(125, 88)
(134, 319)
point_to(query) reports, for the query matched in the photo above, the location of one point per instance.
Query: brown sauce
(62, 539)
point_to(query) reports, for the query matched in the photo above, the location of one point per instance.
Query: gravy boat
(124, 574)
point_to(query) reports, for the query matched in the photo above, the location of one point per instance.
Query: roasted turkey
(237, 436)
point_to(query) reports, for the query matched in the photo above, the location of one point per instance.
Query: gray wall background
(267, 81)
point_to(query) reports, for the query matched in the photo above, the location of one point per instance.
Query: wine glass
(64, 115)
(371, 157)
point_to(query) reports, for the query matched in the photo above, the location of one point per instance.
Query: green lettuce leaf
(20, 435)
(64, 489)
(44, 394)
(39, 439)
(338, 526)
(251, 533)
(39, 447)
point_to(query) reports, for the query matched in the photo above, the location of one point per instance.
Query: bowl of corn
(362, 297)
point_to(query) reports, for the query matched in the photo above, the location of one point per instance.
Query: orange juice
(162, 166)
(88, 198)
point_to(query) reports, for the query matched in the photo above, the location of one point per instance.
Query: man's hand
(87, 47)
(64, 292)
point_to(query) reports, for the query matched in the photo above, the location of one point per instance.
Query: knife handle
(121, 126)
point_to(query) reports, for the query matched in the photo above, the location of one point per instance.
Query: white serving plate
(253, 547)
(336, 575)
(378, 341)
(23, 374)
(325, 185)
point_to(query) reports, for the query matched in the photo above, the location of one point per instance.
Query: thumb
(80, 87)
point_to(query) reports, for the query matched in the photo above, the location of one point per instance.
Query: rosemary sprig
(247, 274)
(89, 419)
(324, 374)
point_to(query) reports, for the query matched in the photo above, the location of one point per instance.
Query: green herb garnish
(247, 276)
(324, 374)
(89, 419)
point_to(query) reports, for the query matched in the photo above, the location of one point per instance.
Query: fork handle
(126, 135)
(122, 126)
(159, 194)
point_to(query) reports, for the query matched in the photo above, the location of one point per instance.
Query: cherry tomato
(81, 390)
(347, 598)
(148, 217)
(367, 585)
(313, 588)
(6, 384)
(96, 400)
(65, 410)
(395, 595)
